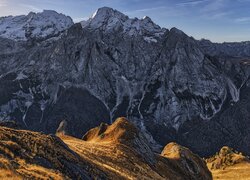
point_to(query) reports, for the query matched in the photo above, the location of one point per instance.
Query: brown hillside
(117, 151)
(122, 151)
(32, 155)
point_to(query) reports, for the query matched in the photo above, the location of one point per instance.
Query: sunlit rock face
(112, 66)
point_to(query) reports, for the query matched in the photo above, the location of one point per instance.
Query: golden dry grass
(239, 171)
(115, 159)
(110, 148)
(9, 175)
(19, 150)
(228, 164)
(121, 131)
(32, 155)
(107, 152)
(121, 162)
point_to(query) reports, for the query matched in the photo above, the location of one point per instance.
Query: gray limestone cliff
(112, 66)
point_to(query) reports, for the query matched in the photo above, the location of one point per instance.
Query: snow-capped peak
(108, 20)
(35, 25)
(106, 12)
(108, 16)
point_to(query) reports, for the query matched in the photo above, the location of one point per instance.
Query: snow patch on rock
(108, 20)
(234, 91)
(35, 25)
(150, 39)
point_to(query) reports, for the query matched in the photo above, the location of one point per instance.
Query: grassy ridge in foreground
(117, 151)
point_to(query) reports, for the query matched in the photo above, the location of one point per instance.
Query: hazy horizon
(216, 20)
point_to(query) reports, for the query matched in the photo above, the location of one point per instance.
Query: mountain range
(169, 85)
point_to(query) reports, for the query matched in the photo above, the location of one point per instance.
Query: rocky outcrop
(225, 158)
(63, 128)
(191, 164)
(228, 164)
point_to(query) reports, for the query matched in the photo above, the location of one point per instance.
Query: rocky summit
(171, 86)
(229, 164)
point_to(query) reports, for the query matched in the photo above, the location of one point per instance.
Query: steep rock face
(112, 66)
(39, 106)
(229, 127)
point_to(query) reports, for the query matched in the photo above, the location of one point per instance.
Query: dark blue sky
(217, 20)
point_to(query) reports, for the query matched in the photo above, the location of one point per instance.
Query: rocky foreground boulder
(192, 164)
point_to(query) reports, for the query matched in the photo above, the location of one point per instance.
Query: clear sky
(217, 20)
